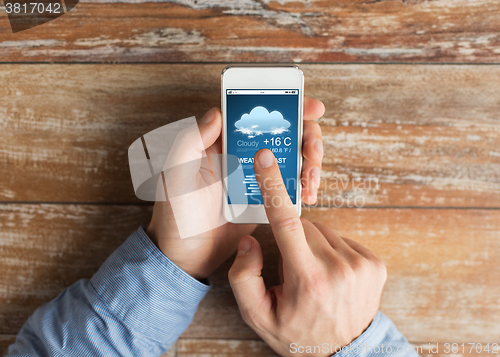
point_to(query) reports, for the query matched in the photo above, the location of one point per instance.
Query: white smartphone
(261, 108)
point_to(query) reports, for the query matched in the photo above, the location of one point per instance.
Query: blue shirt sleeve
(137, 304)
(381, 338)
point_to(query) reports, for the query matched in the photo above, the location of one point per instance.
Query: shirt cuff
(146, 290)
(381, 338)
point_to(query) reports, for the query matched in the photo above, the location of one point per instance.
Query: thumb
(248, 286)
(191, 142)
(187, 154)
(210, 127)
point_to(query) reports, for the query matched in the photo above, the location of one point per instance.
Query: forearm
(137, 304)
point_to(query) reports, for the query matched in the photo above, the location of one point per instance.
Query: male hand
(199, 256)
(331, 286)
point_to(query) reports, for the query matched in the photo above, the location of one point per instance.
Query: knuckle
(360, 263)
(346, 273)
(381, 268)
(313, 126)
(288, 224)
(370, 266)
(236, 276)
(376, 268)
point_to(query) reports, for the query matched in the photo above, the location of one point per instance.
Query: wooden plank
(442, 263)
(413, 135)
(274, 31)
(7, 340)
(249, 348)
(220, 348)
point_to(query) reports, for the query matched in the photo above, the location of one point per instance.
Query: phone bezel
(260, 77)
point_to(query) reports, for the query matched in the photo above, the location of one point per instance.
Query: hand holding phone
(196, 256)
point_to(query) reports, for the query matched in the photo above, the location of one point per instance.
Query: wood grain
(417, 145)
(199, 347)
(442, 263)
(7, 340)
(443, 31)
(394, 135)
(221, 348)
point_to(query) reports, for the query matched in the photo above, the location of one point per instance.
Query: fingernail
(315, 176)
(209, 116)
(266, 159)
(318, 145)
(245, 246)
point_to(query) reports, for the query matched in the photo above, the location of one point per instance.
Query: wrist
(185, 262)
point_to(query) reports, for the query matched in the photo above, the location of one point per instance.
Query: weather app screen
(258, 119)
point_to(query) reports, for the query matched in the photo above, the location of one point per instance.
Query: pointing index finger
(281, 212)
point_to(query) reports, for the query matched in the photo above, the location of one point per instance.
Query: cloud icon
(260, 121)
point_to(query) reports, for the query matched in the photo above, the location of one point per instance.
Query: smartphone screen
(257, 119)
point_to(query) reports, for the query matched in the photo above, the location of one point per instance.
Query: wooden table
(412, 91)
